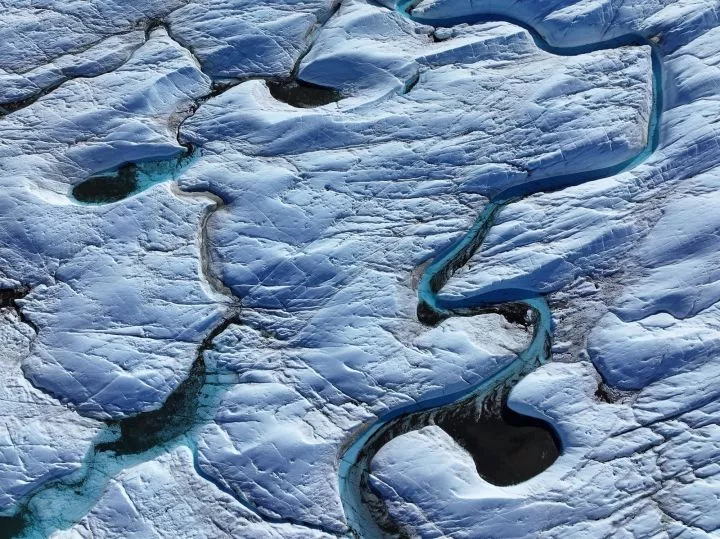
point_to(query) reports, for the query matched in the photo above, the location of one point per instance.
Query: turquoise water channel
(355, 460)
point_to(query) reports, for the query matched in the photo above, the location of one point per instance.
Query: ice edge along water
(75, 496)
(152, 172)
(355, 459)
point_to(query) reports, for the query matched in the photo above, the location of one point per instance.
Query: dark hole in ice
(515, 313)
(179, 413)
(508, 448)
(9, 295)
(11, 526)
(108, 188)
(302, 94)
(149, 429)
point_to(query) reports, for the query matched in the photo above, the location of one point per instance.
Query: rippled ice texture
(287, 253)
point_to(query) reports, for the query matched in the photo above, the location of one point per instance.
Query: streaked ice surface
(247, 294)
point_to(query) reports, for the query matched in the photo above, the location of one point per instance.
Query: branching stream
(129, 442)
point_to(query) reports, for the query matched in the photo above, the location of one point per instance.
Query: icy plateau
(359, 269)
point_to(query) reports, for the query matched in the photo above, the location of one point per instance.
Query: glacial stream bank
(123, 444)
(366, 514)
(432, 308)
(489, 394)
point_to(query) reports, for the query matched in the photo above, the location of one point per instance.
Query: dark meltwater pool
(108, 188)
(302, 94)
(11, 526)
(508, 448)
(131, 178)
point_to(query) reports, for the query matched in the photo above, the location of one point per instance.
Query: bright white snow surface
(307, 230)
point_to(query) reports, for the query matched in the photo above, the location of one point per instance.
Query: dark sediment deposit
(11, 526)
(302, 94)
(177, 416)
(150, 429)
(108, 188)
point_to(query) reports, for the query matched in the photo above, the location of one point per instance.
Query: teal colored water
(130, 179)
(124, 444)
(354, 461)
(61, 505)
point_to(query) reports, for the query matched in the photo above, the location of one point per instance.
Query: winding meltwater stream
(365, 513)
(140, 439)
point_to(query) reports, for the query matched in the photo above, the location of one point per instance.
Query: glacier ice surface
(280, 248)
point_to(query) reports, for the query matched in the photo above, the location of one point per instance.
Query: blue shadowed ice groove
(355, 459)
